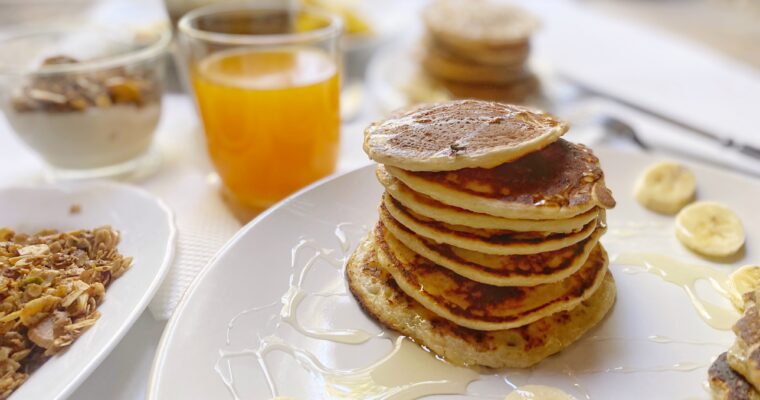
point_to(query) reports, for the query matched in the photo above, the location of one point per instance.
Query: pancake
(474, 23)
(744, 355)
(560, 181)
(513, 270)
(727, 384)
(521, 347)
(444, 66)
(517, 92)
(478, 306)
(459, 134)
(488, 241)
(510, 54)
(438, 211)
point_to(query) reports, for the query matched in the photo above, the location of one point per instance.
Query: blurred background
(728, 26)
(629, 51)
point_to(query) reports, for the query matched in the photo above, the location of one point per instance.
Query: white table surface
(124, 374)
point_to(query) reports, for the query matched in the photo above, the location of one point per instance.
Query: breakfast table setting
(222, 251)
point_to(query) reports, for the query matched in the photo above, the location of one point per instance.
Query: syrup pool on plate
(271, 119)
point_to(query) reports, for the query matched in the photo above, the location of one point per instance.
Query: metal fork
(614, 126)
(617, 127)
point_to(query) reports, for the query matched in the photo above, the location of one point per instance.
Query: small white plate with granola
(80, 263)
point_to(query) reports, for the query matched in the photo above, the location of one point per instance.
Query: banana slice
(743, 280)
(665, 187)
(710, 229)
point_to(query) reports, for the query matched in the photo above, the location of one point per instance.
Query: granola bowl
(85, 99)
(58, 231)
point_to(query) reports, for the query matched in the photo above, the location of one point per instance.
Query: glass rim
(333, 29)
(153, 49)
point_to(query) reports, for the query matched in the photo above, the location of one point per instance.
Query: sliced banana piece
(743, 280)
(665, 187)
(710, 229)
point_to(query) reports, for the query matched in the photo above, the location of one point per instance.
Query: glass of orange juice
(265, 77)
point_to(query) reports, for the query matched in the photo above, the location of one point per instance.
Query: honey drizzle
(684, 366)
(654, 339)
(686, 276)
(389, 378)
(536, 392)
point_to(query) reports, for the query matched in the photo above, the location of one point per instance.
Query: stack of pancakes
(487, 249)
(478, 49)
(735, 375)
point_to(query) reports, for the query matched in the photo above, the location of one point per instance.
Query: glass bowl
(86, 99)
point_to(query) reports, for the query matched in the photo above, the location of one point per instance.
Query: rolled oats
(50, 286)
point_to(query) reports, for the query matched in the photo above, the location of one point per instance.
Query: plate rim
(159, 357)
(160, 276)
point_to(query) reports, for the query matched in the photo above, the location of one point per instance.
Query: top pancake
(560, 181)
(479, 22)
(459, 134)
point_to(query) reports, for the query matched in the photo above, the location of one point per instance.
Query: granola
(72, 92)
(51, 284)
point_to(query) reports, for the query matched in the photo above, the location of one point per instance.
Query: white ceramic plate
(653, 345)
(147, 234)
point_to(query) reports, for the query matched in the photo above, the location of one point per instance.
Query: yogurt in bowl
(86, 100)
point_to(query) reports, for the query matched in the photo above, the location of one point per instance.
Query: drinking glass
(266, 83)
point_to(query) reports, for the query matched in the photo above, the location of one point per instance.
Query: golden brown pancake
(727, 384)
(560, 181)
(516, 92)
(521, 347)
(474, 23)
(459, 134)
(511, 54)
(444, 66)
(744, 355)
(489, 241)
(438, 211)
(510, 270)
(478, 306)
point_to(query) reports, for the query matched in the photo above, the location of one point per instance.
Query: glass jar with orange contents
(266, 83)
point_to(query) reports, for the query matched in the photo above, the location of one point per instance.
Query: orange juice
(271, 119)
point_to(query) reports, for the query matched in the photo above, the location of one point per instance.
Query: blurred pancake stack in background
(479, 49)
(487, 250)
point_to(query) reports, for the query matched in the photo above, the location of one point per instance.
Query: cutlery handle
(745, 149)
(749, 150)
